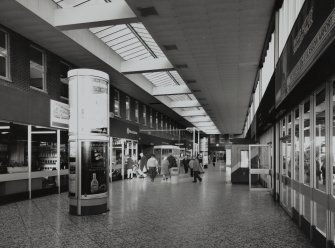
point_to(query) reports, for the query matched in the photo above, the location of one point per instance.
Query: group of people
(150, 166)
(131, 167)
(195, 166)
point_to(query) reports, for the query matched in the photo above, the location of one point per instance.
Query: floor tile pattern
(156, 214)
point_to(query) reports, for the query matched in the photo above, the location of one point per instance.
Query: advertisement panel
(73, 169)
(89, 102)
(59, 114)
(204, 144)
(93, 167)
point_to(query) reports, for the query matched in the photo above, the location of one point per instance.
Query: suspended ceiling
(220, 41)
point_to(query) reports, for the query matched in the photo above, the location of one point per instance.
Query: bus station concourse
(171, 123)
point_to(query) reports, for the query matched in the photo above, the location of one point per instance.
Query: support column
(88, 141)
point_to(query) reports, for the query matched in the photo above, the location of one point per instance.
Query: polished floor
(156, 214)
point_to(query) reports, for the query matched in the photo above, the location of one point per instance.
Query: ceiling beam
(146, 65)
(205, 125)
(171, 90)
(198, 119)
(89, 16)
(186, 113)
(185, 104)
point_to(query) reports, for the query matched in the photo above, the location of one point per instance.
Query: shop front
(304, 100)
(147, 143)
(185, 147)
(34, 159)
(123, 142)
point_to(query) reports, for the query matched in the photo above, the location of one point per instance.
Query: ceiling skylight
(133, 42)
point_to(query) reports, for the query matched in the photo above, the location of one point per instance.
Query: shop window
(296, 144)
(283, 146)
(37, 68)
(307, 142)
(289, 146)
(136, 112)
(64, 68)
(127, 107)
(144, 115)
(320, 140)
(4, 58)
(117, 103)
(13, 148)
(44, 149)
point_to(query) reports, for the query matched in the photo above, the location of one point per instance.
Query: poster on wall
(89, 103)
(93, 164)
(73, 169)
(59, 114)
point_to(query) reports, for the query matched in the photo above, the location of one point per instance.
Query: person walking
(152, 165)
(214, 160)
(196, 170)
(143, 163)
(185, 162)
(165, 169)
(191, 165)
(129, 166)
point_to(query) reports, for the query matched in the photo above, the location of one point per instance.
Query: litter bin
(174, 174)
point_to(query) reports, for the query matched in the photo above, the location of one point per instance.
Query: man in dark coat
(143, 162)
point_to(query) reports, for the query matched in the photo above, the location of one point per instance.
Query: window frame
(66, 82)
(117, 93)
(44, 74)
(137, 111)
(7, 56)
(144, 115)
(128, 109)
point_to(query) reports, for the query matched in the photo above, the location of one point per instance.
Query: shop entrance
(119, 149)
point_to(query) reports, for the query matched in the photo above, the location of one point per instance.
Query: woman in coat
(165, 168)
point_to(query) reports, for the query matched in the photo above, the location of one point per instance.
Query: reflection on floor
(158, 214)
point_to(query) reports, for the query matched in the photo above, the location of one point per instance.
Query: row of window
(37, 81)
(37, 64)
(161, 122)
(288, 13)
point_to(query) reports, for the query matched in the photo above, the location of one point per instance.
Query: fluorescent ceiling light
(4, 127)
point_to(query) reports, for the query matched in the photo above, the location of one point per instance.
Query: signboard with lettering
(122, 129)
(309, 36)
(59, 114)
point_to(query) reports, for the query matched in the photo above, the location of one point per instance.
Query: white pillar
(58, 160)
(29, 160)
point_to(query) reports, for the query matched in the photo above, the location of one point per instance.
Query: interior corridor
(158, 214)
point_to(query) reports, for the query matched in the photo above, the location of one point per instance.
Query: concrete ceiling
(221, 42)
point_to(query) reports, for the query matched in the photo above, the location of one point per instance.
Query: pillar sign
(89, 141)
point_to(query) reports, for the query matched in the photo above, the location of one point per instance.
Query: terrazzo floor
(156, 214)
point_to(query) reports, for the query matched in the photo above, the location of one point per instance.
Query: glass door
(259, 167)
